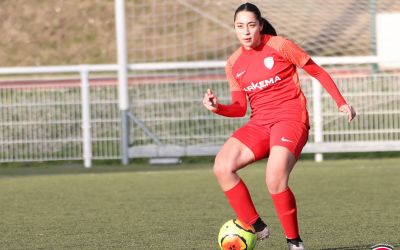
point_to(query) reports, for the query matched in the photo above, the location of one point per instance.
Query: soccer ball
(235, 235)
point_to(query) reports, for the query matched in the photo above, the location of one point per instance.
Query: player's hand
(349, 110)
(210, 100)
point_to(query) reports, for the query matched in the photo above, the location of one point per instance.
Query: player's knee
(223, 166)
(276, 184)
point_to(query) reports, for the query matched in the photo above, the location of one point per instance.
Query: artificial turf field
(343, 204)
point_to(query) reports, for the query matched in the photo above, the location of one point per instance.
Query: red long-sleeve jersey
(268, 76)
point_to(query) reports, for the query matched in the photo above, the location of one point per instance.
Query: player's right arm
(237, 108)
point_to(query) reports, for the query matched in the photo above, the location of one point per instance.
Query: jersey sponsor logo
(262, 84)
(269, 62)
(285, 140)
(240, 74)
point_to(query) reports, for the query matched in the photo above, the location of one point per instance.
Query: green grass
(343, 204)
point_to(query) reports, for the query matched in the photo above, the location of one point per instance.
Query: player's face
(248, 29)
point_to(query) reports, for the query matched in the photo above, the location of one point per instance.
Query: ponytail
(267, 29)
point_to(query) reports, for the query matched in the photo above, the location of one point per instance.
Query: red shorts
(261, 138)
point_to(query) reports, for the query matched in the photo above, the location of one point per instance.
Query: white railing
(77, 117)
(83, 71)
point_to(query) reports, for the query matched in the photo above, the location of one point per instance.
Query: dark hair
(267, 26)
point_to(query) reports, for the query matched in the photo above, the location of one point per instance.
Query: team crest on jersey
(269, 62)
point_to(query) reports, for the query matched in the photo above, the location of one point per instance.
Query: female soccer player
(264, 69)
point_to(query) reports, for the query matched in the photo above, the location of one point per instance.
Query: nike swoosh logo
(240, 74)
(285, 140)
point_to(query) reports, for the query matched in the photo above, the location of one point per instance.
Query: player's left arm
(297, 56)
(327, 82)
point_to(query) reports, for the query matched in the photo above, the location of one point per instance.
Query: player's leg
(233, 156)
(280, 163)
(237, 153)
(287, 140)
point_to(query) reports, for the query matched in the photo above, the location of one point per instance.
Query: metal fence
(76, 117)
(58, 113)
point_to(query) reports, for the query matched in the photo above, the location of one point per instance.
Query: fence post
(86, 136)
(317, 114)
(372, 13)
(123, 96)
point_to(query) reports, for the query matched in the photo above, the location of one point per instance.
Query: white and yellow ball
(235, 235)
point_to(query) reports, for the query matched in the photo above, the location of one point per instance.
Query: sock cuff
(283, 193)
(238, 186)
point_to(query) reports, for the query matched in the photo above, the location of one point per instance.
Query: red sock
(285, 206)
(240, 200)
